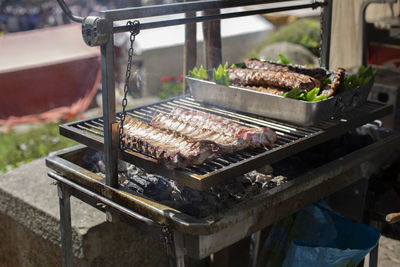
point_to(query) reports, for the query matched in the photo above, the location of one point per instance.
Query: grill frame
(306, 138)
(210, 234)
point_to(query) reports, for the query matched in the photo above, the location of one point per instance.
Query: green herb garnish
(221, 74)
(283, 60)
(362, 77)
(310, 96)
(200, 73)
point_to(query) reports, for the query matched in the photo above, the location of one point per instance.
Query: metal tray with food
(274, 102)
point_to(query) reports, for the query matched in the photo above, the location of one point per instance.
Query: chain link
(135, 25)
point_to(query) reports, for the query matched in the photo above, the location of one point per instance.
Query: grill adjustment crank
(95, 31)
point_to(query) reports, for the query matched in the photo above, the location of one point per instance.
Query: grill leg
(373, 255)
(177, 259)
(254, 247)
(65, 225)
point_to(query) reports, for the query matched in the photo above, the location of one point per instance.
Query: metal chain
(135, 25)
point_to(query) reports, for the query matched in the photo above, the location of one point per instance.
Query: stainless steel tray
(277, 107)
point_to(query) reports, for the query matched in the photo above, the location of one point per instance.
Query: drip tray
(290, 140)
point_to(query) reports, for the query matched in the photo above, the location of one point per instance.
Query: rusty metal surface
(291, 139)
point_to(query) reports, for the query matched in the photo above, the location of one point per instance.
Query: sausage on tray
(270, 78)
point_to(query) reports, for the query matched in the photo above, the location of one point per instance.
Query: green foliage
(327, 81)
(362, 77)
(284, 60)
(220, 75)
(22, 147)
(310, 96)
(200, 73)
(305, 32)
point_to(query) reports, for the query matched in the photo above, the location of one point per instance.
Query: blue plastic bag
(316, 236)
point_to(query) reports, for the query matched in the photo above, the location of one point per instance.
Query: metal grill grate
(290, 139)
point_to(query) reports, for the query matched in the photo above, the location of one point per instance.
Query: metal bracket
(95, 31)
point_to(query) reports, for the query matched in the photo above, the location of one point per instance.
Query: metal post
(212, 41)
(326, 21)
(110, 125)
(190, 48)
(254, 247)
(65, 225)
(178, 250)
(373, 255)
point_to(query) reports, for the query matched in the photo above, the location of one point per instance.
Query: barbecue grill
(183, 233)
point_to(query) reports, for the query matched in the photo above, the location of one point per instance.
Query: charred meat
(261, 136)
(337, 80)
(317, 73)
(271, 78)
(227, 143)
(167, 147)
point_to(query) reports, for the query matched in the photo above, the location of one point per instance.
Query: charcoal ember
(192, 195)
(274, 182)
(190, 201)
(133, 186)
(279, 180)
(257, 177)
(155, 179)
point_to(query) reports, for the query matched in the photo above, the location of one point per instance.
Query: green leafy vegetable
(296, 94)
(327, 81)
(200, 73)
(221, 74)
(362, 77)
(284, 60)
(312, 94)
(305, 95)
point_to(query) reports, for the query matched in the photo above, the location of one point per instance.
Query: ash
(190, 201)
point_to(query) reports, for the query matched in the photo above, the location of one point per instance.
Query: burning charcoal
(122, 166)
(140, 181)
(188, 200)
(257, 177)
(280, 179)
(135, 187)
(271, 184)
(154, 179)
(193, 195)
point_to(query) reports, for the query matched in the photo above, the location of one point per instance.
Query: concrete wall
(168, 61)
(29, 228)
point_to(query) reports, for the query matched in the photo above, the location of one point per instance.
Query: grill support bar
(64, 197)
(66, 188)
(108, 97)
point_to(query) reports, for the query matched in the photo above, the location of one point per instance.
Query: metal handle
(68, 12)
(102, 199)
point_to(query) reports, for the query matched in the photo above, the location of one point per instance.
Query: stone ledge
(29, 213)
